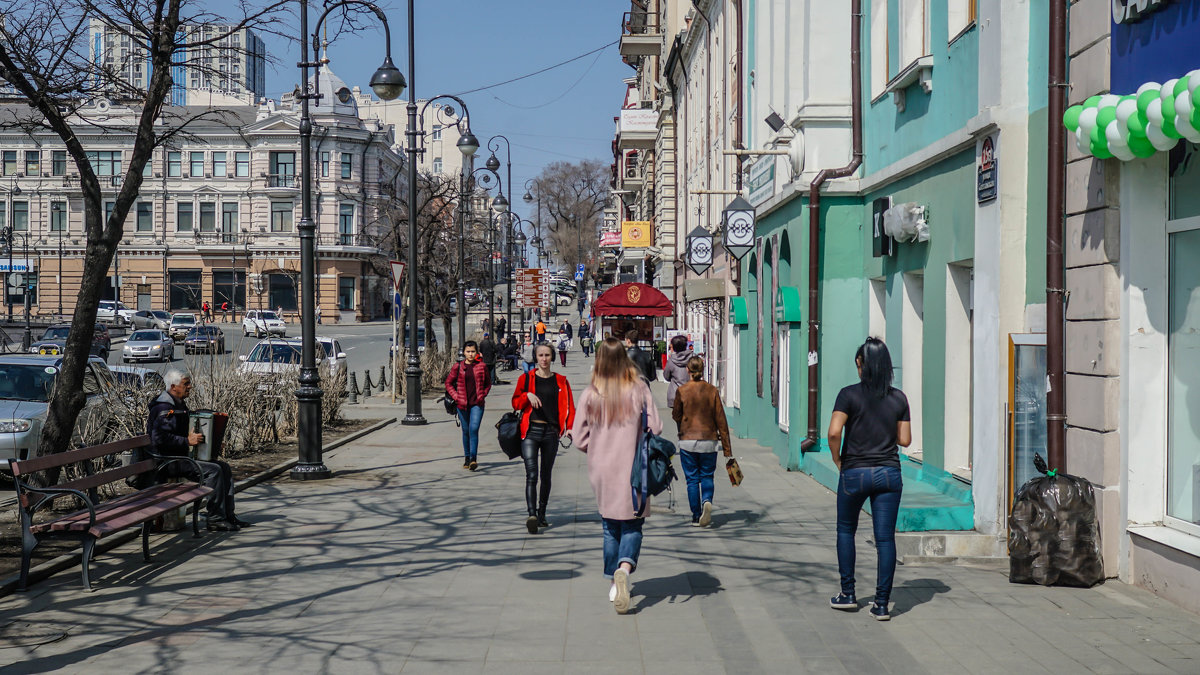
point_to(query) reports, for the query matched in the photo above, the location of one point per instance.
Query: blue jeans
(622, 543)
(469, 420)
(698, 468)
(882, 485)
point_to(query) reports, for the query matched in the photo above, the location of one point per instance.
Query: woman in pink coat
(606, 428)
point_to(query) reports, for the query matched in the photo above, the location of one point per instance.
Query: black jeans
(541, 438)
(216, 475)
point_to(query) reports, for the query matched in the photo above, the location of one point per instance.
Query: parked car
(137, 378)
(334, 354)
(207, 339)
(53, 342)
(25, 384)
(114, 312)
(152, 318)
(276, 356)
(261, 323)
(148, 345)
(180, 325)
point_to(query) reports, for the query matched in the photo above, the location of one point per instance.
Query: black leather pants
(544, 439)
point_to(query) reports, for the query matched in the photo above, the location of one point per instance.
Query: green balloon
(1099, 143)
(1168, 110)
(1180, 86)
(1105, 116)
(1071, 117)
(1137, 126)
(1140, 146)
(1144, 99)
(1091, 102)
(1195, 118)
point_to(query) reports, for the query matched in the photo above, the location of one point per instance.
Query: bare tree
(45, 54)
(573, 197)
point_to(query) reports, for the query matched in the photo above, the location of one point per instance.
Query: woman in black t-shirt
(874, 418)
(547, 412)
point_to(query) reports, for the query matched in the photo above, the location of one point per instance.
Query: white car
(180, 325)
(261, 323)
(273, 356)
(114, 312)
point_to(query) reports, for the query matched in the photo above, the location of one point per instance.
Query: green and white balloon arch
(1137, 125)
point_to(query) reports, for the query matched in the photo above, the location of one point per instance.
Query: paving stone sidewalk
(405, 562)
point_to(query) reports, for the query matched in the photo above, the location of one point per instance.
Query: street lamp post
(494, 164)
(499, 205)
(388, 83)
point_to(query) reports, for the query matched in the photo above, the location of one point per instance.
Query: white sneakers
(612, 592)
(621, 584)
(705, 514)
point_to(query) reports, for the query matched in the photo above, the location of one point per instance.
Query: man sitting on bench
(169, 435)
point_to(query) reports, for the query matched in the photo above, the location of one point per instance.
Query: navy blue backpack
(652, 469)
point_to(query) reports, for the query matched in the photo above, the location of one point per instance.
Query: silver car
(148, 345)
(25, 384)
(152, 318)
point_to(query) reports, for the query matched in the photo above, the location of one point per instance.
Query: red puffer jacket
(456, 383)
(566, 402)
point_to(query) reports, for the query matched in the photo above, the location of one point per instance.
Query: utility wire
(556, 98)
(538, 72)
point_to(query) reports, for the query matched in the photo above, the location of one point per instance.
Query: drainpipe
(1055, 271)
(814, 219)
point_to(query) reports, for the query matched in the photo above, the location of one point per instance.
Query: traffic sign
(579, 275)
(532, 287)
(16, 279)
(397, 273)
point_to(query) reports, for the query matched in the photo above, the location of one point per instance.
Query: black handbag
(451, 406)
(652, 469)
(508, 433)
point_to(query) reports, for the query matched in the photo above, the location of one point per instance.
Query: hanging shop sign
(637, 233)
(986, 170)
(761, 182)
(738, 221)
(699, 250)
(610, 239)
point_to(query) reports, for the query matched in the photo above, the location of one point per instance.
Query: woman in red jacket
(468, 384)
(547, 412)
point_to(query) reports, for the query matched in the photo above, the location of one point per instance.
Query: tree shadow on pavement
(913, 592)
(678, 588)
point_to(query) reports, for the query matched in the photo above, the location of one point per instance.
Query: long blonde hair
(613, 378)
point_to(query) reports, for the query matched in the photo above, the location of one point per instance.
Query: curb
(9, 584)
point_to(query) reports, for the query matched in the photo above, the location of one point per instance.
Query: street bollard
(366, 383)
(382, 378)
(353, 388)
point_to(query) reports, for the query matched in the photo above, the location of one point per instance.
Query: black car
(207, 339)
(54, 341)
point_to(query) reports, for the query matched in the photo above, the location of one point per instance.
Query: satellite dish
(103, 105)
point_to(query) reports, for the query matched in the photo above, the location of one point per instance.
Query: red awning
(632, 299)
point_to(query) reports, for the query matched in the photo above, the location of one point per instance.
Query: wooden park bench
(99, 518)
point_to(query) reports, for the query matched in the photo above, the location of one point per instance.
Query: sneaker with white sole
(621, 583)
(844, 601)
(880, 612)
(705, 514)
(612, 593)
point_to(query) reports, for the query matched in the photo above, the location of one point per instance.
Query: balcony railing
(217, 237)
(283, 180)
(639, 23)
(344, 239)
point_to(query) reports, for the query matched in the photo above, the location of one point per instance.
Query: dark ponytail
(876, 364)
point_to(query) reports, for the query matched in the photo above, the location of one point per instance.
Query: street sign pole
(397, 275)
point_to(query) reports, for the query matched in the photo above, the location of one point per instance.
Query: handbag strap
(641, 494)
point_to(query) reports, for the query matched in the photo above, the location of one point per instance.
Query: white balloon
(1087, 120)
(1125, 110)
(1123, 153)
(1168, 88)
(1183, 104)
(1082, 142)
(1184, 126)
(1193, 82)
(1108, 101)
(1148, 86)
(1158, 139)
(1154, 113)
(1113, 134)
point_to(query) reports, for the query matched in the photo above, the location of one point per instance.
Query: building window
(3, 214)
(184, 289)
(346, 293)
(145, 217)
(281, 216)
(219, 170)
(16, 294)
(195, 164)
(914, 29)
(241, 164)
(33, 162)
(108, 211)
(283, 169)
(437, 133)
(229, 286)
(208, 216)
(960, 16)
(281, 291)
(58, 216)
(1183, 338)
(20, 216)
(437, 164)
(229, 221)
(58, 163)
(346, 224)
(10, 162)
(174, 164)
(183, 217)
(879, 47)
(105, 163)
(347, 164)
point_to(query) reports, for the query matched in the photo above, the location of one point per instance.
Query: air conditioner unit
(207, 175)
(186, 175)
(158, 175)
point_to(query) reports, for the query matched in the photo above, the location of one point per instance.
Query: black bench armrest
(165, 460)
(51, 495)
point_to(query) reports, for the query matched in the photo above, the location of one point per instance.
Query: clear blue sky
(565, 114)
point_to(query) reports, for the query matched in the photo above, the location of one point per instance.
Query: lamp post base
(414, 420)
(307, 471)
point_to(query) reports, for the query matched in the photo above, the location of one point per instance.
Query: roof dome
(336, 97)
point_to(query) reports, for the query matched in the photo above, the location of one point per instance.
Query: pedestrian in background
(318, 313)
(487, 354)
(206, 311)
(279, 313)
(501, 327)
(700, 416)
(225, 311)
(607, 427)
(539, 330)
(641, 358)
(547, 412)
(585, 338)
(874, 417)
(468, 384)
(676, 371)
(564, 345)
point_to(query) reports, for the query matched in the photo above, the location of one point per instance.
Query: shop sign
(881, 244)
(610, 239)
(1152, 41)
(761, 182)
(987, 170)
(15, 265)
(644, 120)
(637, 233)
(532, 288)
(1130, 11)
